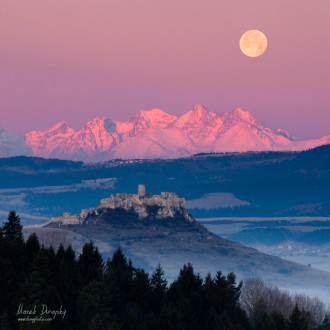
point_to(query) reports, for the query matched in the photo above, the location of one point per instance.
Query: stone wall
(168, 204)
(74, 219)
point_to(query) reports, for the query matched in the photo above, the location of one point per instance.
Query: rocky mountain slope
(156, 134)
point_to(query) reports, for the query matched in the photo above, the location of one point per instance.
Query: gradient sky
(73, 60)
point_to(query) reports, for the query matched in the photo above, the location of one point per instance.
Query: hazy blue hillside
(270, 183)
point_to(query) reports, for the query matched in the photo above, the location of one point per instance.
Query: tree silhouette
(90, 264)
(159, 288)
(32, 246)
(298, 320)
(12, 229)
(119, 296)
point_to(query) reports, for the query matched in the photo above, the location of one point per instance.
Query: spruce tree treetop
(32, 246)
(12, 229)
(158, 282)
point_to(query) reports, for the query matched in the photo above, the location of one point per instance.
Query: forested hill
(273, 183)
(46, 288)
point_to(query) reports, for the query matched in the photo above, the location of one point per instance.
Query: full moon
(253, 43)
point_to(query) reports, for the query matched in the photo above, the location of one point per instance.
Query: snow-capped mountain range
(156, 134)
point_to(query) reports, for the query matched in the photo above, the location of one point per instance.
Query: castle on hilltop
(168, 205)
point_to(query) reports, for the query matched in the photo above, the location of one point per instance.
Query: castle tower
(141, 190)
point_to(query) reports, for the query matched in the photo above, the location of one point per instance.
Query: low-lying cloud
(12, 144)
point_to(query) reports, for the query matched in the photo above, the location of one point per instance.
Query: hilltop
(168, 235)
(259, 183)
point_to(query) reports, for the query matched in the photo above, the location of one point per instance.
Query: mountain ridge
(156, 134)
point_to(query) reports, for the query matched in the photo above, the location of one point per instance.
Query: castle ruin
(168, 205)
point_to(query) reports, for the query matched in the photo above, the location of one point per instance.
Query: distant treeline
(274, 183)
(85, 292)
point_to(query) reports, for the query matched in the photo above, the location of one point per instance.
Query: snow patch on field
(215, 200)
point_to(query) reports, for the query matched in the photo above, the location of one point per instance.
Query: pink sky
(73, 60)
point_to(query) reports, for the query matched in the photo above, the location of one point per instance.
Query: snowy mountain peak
(202, 113)
(240, 112)
(60, 124)
(61, 127)
(104, 122)
(199, 109)
(244, 115)
(154, 117)
(96, 121)
(145, 119)
(156, 134)
(196, 118)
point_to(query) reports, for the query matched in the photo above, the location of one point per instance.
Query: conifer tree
(12, 229)
(118, 262)
(118, 283)
(90, 264)
(92, 305)
(159, 288)
(40, 278)
(32, 246)
(185, 299)
(119, 271)
(141, 289)
(8, 285)
(158, 282)
(298, 320)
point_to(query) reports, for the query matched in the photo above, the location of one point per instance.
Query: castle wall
(141, 190)
(168, 202)
(76, 219)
